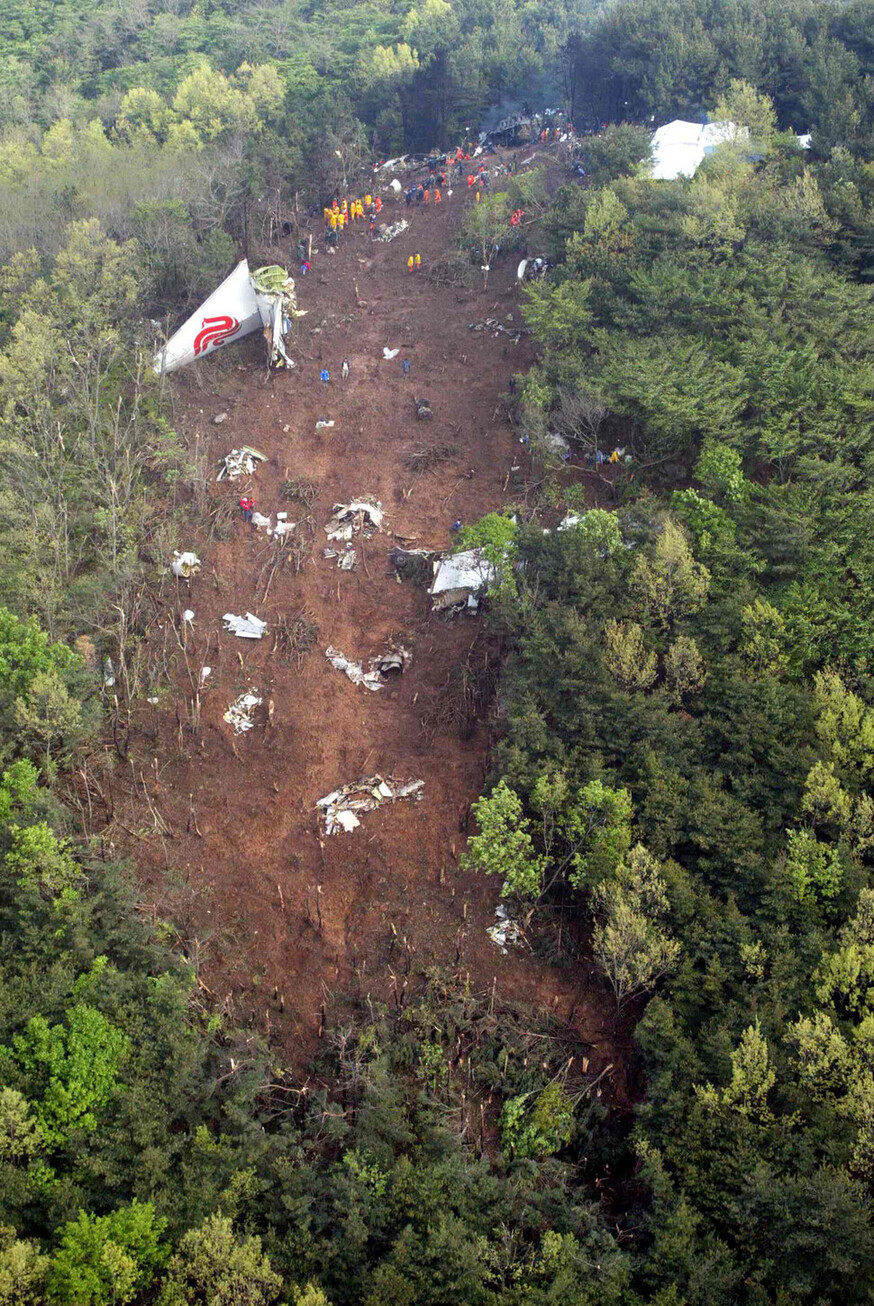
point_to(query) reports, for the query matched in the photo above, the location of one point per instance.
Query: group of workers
(421, 193)
(414, 262)
(344, 212)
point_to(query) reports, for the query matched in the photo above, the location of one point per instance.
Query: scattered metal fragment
(248, 627)
(239, 714)
(362, 515)
(507, 933)
(339, 808)
(240, 462)
(381, 668)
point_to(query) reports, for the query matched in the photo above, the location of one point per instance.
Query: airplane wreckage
(264, 300)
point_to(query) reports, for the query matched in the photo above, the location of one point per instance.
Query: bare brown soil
(246, 869)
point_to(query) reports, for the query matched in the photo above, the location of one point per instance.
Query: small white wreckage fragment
(239, 714)
(351, 518)
(496, 328)
(323, 425)
(346, 561)
(459, 579)
(205, 673)
(507, 933)
(389, 353)
(380, 668)
(219, 418)
(185, 564)
(248, 627)
(340, 807)
(240, 462)
(389, 233)
(258, 520)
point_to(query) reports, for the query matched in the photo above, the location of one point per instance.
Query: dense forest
(684, 728)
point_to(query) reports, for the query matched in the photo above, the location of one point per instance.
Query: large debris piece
(240, 462)
(239, 714)
(277, 304)
(460, 579)
(349, 519)
(424, 412)
(679, 148)
(244, 302)
(340, 807)
(185, 564)
(379, 669)
(248, 627)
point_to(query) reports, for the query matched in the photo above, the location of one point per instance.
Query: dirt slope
(254, 875)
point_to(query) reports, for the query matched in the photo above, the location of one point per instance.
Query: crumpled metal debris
(361, 515)
(185, 564)
(259, 520)
(496, 327)
(239, 714)
(240, 462)
(389, 354)
(412, 564)
(339, 808)
(389, 233)
(380, 668)
(507, 933)
(460, 579)
(248, 627)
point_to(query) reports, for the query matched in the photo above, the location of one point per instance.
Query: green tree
(630, 941)
(213, 1266)
(504, 845)
(213, 105)
(752, 1078)
(814, 869)
(627, 657)
(672, 584)
(684, 668)
(72, 1068)
(620, 149)
(764, 639)
(743, 105)
(539, 1128)
(108, 1259)
(23, 1270)
(50, 717)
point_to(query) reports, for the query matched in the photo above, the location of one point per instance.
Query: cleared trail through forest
(251, 871)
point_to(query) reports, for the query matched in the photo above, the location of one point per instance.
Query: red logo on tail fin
(213, 331)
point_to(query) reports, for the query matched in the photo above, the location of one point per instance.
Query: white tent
(243, 303)
(679, 148)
